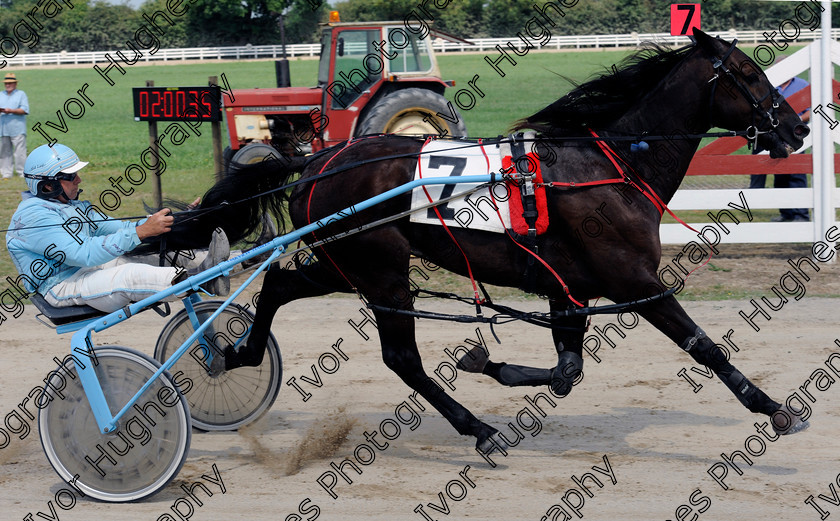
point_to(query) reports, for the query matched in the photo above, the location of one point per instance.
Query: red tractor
(373, 77)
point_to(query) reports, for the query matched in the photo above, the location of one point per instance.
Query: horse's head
(742, 98)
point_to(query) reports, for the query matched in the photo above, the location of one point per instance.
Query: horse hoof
(786, 422)
(489, 444)
(473, 360)
(217, 365)
(564, 376)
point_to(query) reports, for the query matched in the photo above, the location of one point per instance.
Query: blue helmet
(45, 163)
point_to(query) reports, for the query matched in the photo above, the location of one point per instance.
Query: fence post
(823, 182)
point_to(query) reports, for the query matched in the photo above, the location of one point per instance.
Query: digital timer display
(177, 104)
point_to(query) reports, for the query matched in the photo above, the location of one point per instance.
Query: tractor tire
(227, 156)
(402, 112)
(250, 154)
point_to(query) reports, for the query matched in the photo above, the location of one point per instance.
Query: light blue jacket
(49, 241)
(13, 124)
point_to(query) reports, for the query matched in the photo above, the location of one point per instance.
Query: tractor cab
(373, 77)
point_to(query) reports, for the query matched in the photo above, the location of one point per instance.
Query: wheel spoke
(146, 450)
(231, 399)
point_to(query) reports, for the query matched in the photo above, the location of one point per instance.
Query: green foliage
(301, 20)
(228, 22)
(91, 27)
(370, 10)
(506, 17)
(464, 19)
(174, 35)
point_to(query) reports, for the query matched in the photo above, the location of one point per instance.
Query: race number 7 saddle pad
(492, 209)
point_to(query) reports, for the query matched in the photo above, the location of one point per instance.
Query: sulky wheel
(403, 112)
(231, 399)
(138, 458)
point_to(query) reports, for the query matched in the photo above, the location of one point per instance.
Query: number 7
(690, 8)
(458, 164)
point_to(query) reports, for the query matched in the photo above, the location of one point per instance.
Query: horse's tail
(237, 204)
(239, 201)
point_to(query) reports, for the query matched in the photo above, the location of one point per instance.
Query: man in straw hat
(14, 106)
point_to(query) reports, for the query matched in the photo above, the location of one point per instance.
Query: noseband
(752, 131)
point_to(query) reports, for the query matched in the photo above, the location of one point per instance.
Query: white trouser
(12, 147)
(112, 285)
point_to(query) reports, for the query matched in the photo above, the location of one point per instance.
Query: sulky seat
(61, 316)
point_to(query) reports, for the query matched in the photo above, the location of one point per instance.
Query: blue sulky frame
(82, 343)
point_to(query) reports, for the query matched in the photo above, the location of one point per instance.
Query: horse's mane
(605, 98)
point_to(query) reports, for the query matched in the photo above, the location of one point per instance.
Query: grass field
(107, 136)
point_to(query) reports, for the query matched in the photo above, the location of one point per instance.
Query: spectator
(14, 106)
(787, 89)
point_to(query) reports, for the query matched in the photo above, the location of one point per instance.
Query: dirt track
(658, 436)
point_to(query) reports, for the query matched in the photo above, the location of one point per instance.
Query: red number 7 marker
(684, 18)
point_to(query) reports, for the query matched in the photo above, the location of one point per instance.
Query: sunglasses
(64, 176)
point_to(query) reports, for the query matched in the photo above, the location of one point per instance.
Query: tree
(506, 17)
(461, 18)
(301, 19)
(375, 10)
(96, 27)
(174, 35)
(215, 22)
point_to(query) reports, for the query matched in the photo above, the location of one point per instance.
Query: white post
(824, 214)
(823, 146)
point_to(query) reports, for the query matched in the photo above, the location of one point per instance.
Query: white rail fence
(251, 52)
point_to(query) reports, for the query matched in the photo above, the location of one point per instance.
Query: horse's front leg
(567, 333)
(280, 287)
(669, 317)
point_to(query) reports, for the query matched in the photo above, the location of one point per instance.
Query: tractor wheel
(250, 154)
(227, 156)
(404, 111)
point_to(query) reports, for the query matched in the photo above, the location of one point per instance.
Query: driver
(72, 254)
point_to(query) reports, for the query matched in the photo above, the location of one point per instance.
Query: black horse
(657, 92)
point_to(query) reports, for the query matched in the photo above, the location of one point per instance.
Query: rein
(191, 215)
(507, 314)
(194, 214)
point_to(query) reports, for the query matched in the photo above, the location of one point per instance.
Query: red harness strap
(349, 143)
(649, 193)
(478, 299)
(533, 254)
(572, 184)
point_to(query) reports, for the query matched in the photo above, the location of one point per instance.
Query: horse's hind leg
(567, 333)
(668, 316)
(400, 354)
(280, 287)
(379, 269)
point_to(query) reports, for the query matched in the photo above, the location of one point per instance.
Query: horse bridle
(752, 132)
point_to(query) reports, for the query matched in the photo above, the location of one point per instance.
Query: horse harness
(719, 66)
(515, 148)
